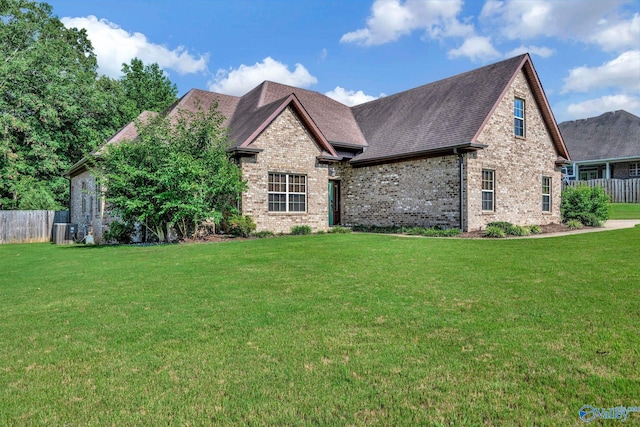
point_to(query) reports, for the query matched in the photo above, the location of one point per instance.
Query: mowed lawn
(625, 211)
(352, 329)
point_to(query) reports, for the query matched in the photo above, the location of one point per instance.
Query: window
(487, 190)
(546, 194)
(287, 192)
(518, 117)
(83, 196)
(634, 169)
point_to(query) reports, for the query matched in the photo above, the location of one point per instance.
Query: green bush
(263, 234)
(337, 229)
(503, 225)
(517, 230)
(119, 232)
(392, 229)
(494, 231)
(574, 224)
(535, 229)
(239, 225)
(589, 205)
(299, 230)
(436, 232)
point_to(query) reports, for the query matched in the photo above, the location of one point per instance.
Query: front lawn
(625, 211)
(349, 329)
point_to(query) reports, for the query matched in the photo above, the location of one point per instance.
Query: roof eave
(433, 152)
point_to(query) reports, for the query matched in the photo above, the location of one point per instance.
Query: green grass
(344, 329)
(625, 211)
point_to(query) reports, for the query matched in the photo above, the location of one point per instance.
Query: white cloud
(114, 46)
(595, 107)
(392, 19)
(476, 48)
(351, 97)
(618, 36)
(239, 81)
(622, 72)
(541, 51)
(566, 19)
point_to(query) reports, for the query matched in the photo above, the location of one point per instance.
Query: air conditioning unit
(64, 233)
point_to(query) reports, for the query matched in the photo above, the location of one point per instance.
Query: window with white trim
(518, 117)
(488, 190)
(287, 192)
(634, 169)
(546, 194)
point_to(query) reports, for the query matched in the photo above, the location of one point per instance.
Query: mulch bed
(545, 229)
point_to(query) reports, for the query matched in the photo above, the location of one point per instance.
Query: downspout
(461, 176)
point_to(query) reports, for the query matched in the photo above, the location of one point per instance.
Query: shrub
(239, 225)
(263, 234)
(494, 231)
(392, 229)
(300, 230)
(337, 229)
(517, 230)
(589, 205)
(436, 232)
(320, 232)
(535, 229)
(119, 232)
(574, 224)
(503, 225)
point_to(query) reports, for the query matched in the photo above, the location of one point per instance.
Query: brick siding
(287, 148)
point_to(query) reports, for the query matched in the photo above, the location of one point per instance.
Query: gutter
(461, 177)
(609, 160)
(433, 152)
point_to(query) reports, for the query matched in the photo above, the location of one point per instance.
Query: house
(474, 148)
(607, 146)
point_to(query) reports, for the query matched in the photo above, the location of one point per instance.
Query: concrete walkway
(612, 224)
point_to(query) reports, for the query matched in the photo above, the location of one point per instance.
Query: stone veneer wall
(421, 193)
(288, 148)
(519, 165)
(94, 205)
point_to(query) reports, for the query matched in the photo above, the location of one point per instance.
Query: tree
(52, 111)
(176, 174)
(147, 86)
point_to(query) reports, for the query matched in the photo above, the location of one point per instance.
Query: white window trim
(288, 193)
(515, 117)
(546, 194)
(492, 191)
(634, 169)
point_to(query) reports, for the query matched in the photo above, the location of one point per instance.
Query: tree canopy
(147, 87)
(176, 174)
(54, 108)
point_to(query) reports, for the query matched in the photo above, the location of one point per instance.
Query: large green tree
(51, 109)
(54, 108)
(176, 174)
(147, 86)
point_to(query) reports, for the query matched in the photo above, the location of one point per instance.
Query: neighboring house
(478, 147)
(607, 146)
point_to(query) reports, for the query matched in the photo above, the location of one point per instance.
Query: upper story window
(634, 169)
(287, 192)
(518, 117)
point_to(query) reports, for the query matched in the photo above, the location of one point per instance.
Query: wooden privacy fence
(619, 190)
(29, 226)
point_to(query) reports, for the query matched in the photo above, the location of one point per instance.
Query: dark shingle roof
(612, 135)
(442, 114)
(333, 119)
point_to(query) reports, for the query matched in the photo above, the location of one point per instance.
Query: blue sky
(586, 52)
